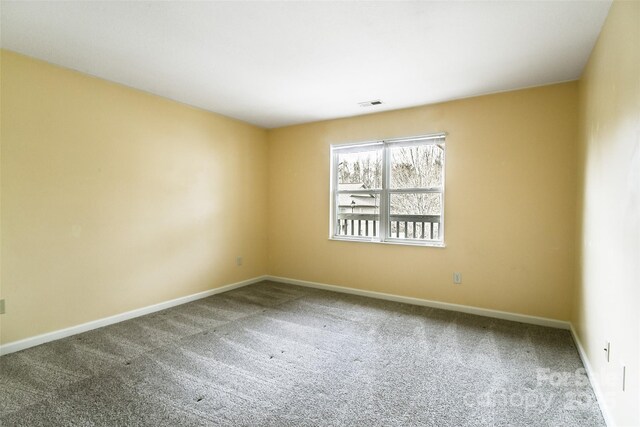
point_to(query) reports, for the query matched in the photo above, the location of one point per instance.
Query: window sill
(394, 243)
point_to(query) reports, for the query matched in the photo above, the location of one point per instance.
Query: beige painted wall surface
(510, 204)
(608, 292)
(113, 199)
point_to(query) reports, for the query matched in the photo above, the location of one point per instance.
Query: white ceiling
(275, 63)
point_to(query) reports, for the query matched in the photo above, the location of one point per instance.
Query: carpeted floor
(278, 355)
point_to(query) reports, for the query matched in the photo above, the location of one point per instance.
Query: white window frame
(385, 192)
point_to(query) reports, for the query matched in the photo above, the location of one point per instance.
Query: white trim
(515, 317)
(386, 192)
(542, 321)
(94, 324)
(401, 242)
(595, 385)
(523, 318)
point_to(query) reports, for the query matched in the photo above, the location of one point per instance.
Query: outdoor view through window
(389, 191)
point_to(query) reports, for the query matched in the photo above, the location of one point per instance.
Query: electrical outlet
(1, 306)
(607, 350)
(239, 260)
(457, 278)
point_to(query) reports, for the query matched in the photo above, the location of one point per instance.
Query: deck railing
(419, 227)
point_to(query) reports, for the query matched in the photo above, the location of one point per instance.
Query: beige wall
(607, 300)
(510, 204)
(113, 199)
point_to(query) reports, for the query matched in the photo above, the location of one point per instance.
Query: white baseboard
(595, 385)
(523, 318)
(84, 327)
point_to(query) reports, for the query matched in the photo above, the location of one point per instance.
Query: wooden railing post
(417, 223)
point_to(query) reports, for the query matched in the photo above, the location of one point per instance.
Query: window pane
(416, 204)
(412, 190)
(360, 170)
(412, 216)
(418, 166)
(358, 215)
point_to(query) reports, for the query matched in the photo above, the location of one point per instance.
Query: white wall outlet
(1, 306)
(607, 350)
(239, 260)
(457, 278)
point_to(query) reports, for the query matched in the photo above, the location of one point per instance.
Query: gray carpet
(278, 355)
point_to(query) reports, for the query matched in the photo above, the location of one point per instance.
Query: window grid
(421, 229)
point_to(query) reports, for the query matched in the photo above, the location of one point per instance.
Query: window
(389, 191)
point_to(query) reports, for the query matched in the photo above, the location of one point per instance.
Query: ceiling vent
(370, 103)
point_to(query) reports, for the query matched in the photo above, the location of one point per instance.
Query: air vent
(370, 103)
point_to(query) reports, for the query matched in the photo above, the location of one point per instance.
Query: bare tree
(416, 167)
(411, 167)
